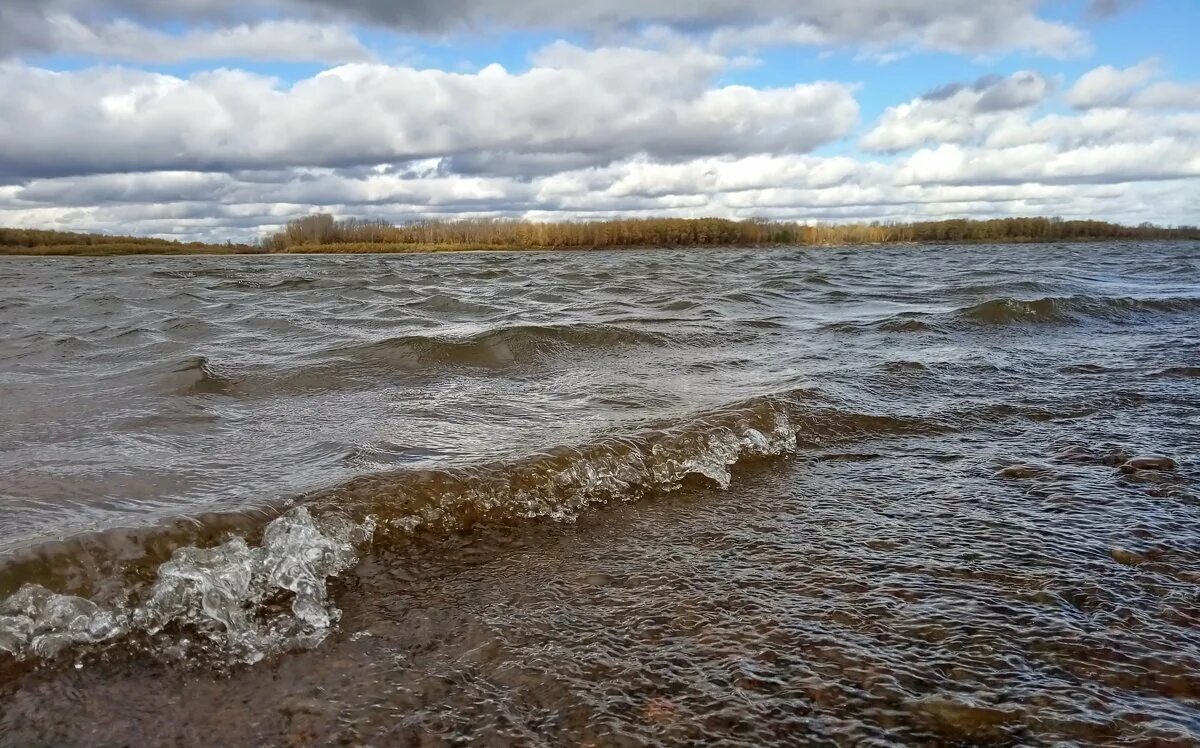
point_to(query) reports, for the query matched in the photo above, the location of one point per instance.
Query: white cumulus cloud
(957, 113)
(585, 106)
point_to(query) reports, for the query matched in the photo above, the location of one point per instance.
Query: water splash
(232, 599)
(221, 594)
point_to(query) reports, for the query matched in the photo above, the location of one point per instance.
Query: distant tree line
(322, 232)
(40, 238)
(41, 242)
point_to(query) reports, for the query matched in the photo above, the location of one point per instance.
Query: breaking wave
(262, 588)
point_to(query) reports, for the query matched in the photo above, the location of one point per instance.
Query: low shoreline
(322, 233)
(102, 250)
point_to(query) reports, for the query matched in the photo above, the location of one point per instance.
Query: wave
(1005, 311)
(497, 347)
(904, 324)
(904, 366)
(909, 322)
(245, 586)
(1086, 369)
(197, 375)
(285, 284)
(201, 272)
(1177, 372)
(492, 349)
(446, 304)
(1060, 309)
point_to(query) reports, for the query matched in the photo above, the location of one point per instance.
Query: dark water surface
(843, 496)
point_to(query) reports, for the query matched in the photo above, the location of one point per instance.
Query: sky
(221, 120)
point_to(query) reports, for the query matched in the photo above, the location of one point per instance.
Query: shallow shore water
(916, 494)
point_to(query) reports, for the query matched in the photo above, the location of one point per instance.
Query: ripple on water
(917, 495)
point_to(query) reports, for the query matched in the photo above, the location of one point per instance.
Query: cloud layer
(965, 26)
(589, 107)
(285, 41)
(641, 122)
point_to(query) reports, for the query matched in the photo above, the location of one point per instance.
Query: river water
(791, 496)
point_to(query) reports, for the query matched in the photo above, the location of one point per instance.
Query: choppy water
(841, 496)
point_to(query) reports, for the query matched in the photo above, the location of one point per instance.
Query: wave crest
(197, 375)
(1058, 310)
(244, 602)
(497, 347)
(560, 483)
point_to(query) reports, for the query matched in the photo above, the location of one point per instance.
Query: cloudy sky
(221, 119)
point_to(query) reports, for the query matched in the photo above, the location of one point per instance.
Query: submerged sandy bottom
(869, 598)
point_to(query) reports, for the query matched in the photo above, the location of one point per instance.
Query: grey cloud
(283, 41)
(1019, 91)
(953, 25)
(26, 29)
(985, 82)
(23, 29)
(127, 188)
(1101, 9)
(941, 93)
(522, 166)
(997, 92)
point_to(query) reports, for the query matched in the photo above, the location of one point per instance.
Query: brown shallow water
(868, 496)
